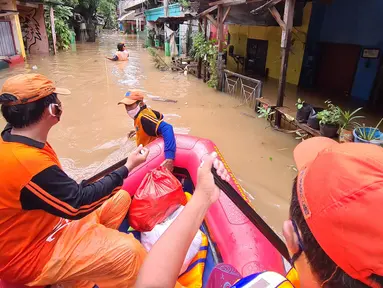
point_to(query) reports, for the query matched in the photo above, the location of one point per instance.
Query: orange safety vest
(27, 238)
(122, 55)
(141, 136)
(293, 277)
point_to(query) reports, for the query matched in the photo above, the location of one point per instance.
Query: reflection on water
(92, 133)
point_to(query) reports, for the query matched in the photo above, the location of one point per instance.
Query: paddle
(105, 172)
(233, 196)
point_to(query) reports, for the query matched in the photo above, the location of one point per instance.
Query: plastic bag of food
(157, 197)
(148, 239)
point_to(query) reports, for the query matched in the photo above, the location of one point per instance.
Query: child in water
(121, 54)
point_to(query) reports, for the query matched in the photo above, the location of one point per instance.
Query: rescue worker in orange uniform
(149, 125)
(121, 54)
(52, 229)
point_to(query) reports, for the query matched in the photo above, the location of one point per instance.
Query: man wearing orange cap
(53, 230)
(149, 125)
(334, 234)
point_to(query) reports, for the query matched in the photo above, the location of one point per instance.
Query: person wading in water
(121, 54)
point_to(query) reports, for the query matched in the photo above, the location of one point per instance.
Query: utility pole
(166, 8)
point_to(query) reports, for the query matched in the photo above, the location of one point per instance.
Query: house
(343, 55)
(11, 40)
(335, 49)
(22, 30)
(131, 15)
(131, 24)
(32, 22)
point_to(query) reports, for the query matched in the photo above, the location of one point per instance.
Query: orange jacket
(122, 55)
(146, 124)
(37, 202)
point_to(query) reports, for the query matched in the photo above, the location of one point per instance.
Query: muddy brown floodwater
(93, 129)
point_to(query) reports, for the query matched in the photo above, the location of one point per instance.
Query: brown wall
(337, 67)
(33, 29)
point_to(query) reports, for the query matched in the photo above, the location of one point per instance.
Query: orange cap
(26, 88)
(132, 97)
(340, 191)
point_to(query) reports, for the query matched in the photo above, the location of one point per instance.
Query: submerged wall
(240, 33)
(33, 29)
(347, 22)
(15, 25)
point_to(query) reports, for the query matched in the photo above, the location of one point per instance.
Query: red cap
(340, 191)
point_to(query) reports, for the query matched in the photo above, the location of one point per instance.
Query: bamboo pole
(205, 32)
(285, 50)
(199, 67)
(220, 46)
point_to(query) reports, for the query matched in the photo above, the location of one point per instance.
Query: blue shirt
(164, 129)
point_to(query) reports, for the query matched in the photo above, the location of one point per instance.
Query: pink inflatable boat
(233, 239)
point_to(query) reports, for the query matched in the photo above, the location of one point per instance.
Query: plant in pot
(348, 124)
(265, 112)
(303, 111)
(329, 120)
(370, 135)
(313, 120)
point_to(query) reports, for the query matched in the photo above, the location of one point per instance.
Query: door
(256, 57)
(337, 67)
(7, 45)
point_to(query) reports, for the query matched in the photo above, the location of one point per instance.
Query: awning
(127, 17)
(4, 13)
(175, 19)
(132, 5)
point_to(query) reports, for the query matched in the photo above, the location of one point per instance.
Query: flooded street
(93, 129)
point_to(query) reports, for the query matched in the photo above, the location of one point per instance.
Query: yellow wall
(240, 33)
(15, 24)
(19, 34)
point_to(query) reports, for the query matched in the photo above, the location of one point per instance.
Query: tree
(108, 9)
(62, 15)
(88, 9)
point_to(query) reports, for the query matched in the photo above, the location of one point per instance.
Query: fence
(243, 87)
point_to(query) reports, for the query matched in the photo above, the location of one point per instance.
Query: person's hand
(169, 164)
(137, 157)
(206, 189)
(131, 134)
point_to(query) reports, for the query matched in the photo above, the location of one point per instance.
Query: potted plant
(313, 120)
(265, 112)
(329, 120)
(348, 124)
(370, 135)
(303, 111)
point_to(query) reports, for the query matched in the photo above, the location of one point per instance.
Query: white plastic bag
(148, 239)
